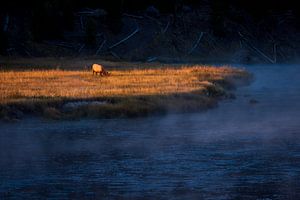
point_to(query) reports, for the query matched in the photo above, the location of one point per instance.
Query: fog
(239, 150)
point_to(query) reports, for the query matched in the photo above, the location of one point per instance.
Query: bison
(96, 68)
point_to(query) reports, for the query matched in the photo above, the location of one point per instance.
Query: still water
(236, 151)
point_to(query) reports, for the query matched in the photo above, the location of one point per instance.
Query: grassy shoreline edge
(130, 92)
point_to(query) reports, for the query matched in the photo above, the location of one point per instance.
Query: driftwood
(259, 52)
(196, 43)
(125, 39)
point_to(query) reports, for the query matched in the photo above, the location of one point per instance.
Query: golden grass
(126, 84)
(81, 84)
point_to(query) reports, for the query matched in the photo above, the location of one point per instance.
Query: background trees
(40, 20)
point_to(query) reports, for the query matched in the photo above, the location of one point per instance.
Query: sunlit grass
(81, 84)
(159, 87)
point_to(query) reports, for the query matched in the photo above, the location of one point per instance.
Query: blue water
(236, 151)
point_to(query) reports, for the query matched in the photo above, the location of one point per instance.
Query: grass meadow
(127, 92)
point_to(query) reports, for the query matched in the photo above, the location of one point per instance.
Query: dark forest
(28, 24)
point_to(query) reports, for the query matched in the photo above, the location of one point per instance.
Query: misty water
(239, 150)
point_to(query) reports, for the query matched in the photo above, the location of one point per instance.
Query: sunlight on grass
(81, 84)
(131, 90)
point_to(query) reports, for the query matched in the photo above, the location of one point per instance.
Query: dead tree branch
(60, 44)
(10, 50)
(115, 55)
(100, 47)
(133, 16)
(81, 47)
(196, 43)
(6, 23)
(151, 59)
(81, 23)
(211, 41)
(23, 46)
(167, 26)
(125, 39)
(275, 52)
(259, 52)
(153, 19)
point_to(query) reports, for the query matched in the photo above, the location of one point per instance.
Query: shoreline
(128, 92)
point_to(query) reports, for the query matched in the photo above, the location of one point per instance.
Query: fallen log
(153, 19)
(167, 26)
(24, 48)
(100, 47)
(211, 41)
(196, 43)
(81, 47)
(133, 16)
(125, 39)
(275, 52)
(6, 23)
(10, 50)
(115, 55)
(259, 52)
(151, 59)
(81, 23)
(60, 44)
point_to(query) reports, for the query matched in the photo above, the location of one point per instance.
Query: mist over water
(236, 151)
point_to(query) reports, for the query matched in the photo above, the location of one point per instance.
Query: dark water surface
(236, 151)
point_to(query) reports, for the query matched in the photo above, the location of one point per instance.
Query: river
(239, 150)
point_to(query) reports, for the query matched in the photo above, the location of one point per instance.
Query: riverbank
(127, 92)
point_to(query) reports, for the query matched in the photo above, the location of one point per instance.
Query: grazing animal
(96, 68)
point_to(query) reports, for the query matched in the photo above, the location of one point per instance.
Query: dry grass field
(126, 92)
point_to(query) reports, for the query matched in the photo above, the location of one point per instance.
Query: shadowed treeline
(48, 19)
